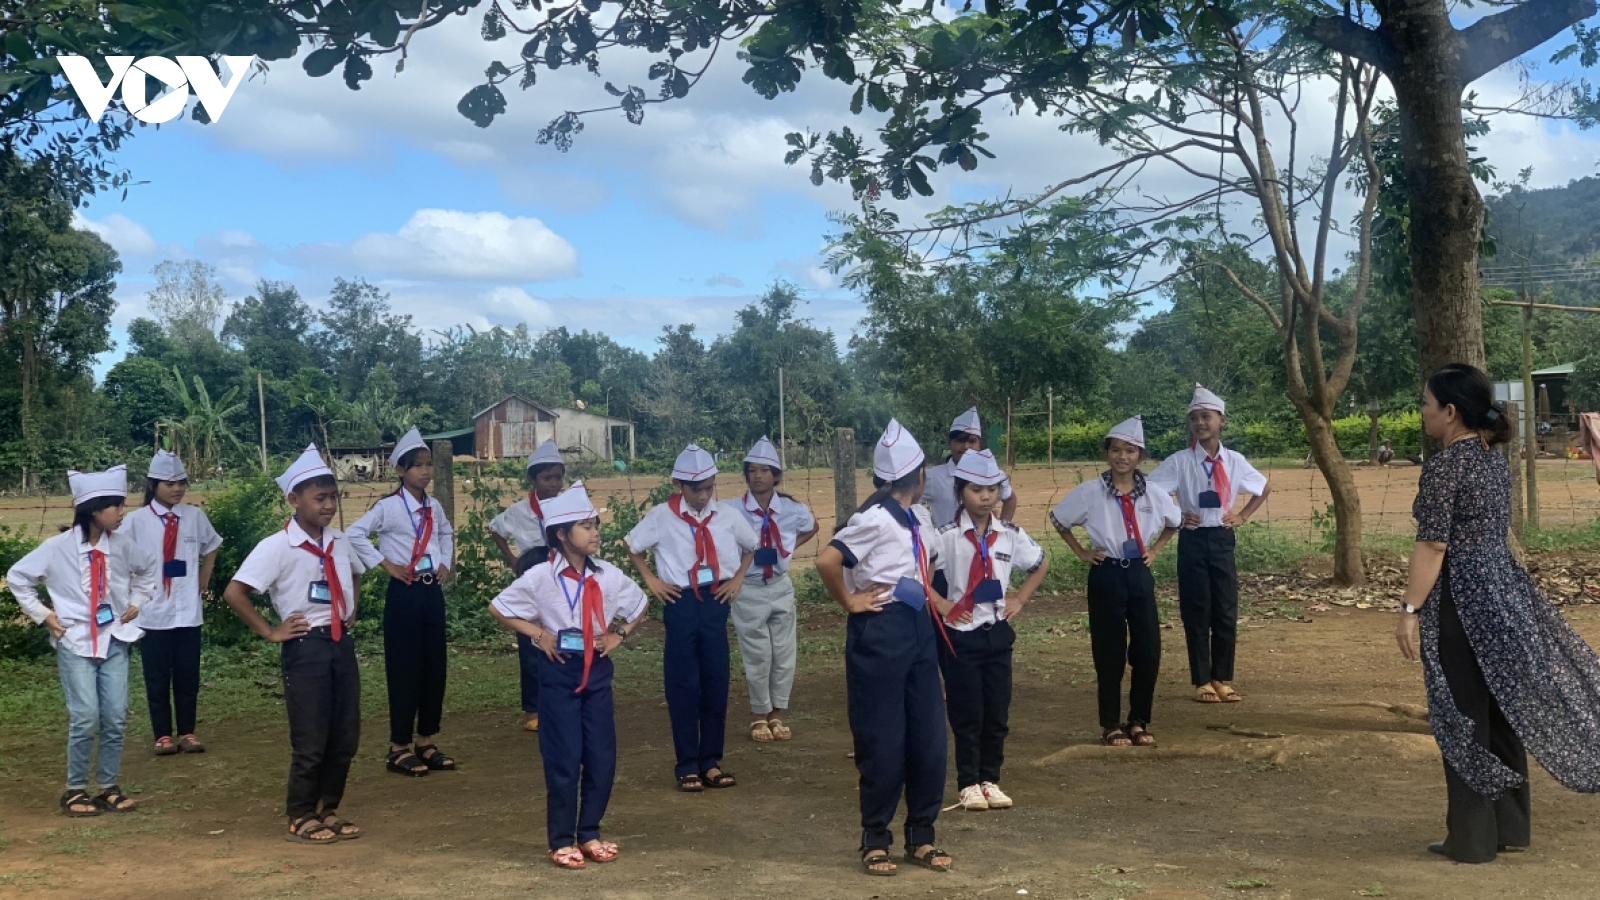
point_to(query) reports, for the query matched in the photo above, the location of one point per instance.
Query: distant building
(516, 426)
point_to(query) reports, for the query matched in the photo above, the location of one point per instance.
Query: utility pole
(261, 404)
(783, 443)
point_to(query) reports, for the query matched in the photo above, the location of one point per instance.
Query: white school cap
(546, 454)
(764, 454)
(1131, 430)
(1204, 399)
(694, 464)
(167, 466)
(571, 505)
(113, 482)
(967, 423)
(411, 441)
(897, 453)
(308, 466)
(979, 467)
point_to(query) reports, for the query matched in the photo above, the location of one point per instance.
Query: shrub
(244, 510)
(19, 636)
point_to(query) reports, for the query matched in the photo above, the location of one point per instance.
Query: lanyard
(416, 528)
(1210, 465)
(983, 549)
(916, 550)
(572, 599)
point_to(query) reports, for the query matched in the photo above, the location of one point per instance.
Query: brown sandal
(308, 829)
(780, 731)
(1205, 693)
(344, 828)
(1229, 695)
(1115, 737)
(761, 733)
(1141, 736)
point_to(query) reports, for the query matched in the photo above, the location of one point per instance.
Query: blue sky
(683, 219)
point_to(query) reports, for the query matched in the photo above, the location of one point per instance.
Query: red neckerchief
(591, 619)
(1217, 475)
(330, 573)
(533, 504)
(770, 535)
(420, 537)
(982, 567)
(97, 592)
(1130, 521)
(169, 543)
(705, 547)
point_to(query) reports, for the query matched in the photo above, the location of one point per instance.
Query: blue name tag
(910, 592)
(174, 568)
(425, 564)
(1130, 550)
(703, 576)
(569, 640)
(766, 556)
(988, 590)
(317, 592)
(103, 615)
(1210, 500)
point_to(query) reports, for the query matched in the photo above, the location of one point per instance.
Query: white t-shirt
(953, 552)
(1184, 474)
(940, 494)
(673, 540)
(179, 606)
(538, 597)
(280, 567)
(1094, 506)
(792, 517)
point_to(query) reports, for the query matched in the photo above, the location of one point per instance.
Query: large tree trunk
(1446, 209)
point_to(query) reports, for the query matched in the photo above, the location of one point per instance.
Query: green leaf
(322, 61)
(493, 27)
(482, 104)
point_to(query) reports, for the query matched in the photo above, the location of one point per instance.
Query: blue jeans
(97, 694)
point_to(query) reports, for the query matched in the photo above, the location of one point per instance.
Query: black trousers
(1479, 826)
(322, 693)
(171, 677)
(1208, 602)
(695, 673)
(1124, 631)
(528, 655)
(414, 658)
(977, 698)
(897, 720)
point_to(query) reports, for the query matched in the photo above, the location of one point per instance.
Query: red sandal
(602, 852)
(567, 858)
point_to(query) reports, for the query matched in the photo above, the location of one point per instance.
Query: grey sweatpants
(763, 618)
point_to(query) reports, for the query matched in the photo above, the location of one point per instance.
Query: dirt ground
(1341, 805)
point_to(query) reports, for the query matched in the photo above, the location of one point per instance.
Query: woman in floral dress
(1506, 675)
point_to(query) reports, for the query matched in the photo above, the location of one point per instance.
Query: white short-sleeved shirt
(538, 597)
(396, 520)
(673, 541)
(1094, 506)
(1183, 473)
(62, 563)
(940, 494)
(178, 607)
(520, 525)
(279, 567)
(953, 552)
(792, 517)
(876, 545)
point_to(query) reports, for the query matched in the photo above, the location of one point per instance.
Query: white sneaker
(972, 797)
(995, 797)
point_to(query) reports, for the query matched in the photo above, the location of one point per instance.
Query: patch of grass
(1249, 884)
(77, 839)
(1373, 890)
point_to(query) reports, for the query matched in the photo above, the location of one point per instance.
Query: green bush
(245, 510)
(19, 636)
(1084, 440)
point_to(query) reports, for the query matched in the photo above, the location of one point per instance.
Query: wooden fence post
(1513, 450)
(844, 475)
(444, 477)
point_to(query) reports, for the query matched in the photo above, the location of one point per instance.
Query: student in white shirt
(182, 539)
(416, 546)
(877, 569)
(966, 433)
(98, 581)
(764, 612)
(977, 554)
(1128, 523)
(518, 531)
(309, 570)
(701, 556)
(1207, 479)
(578, 610)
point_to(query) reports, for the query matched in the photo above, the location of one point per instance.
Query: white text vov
(187, 72)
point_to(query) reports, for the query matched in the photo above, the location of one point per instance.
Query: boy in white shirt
(517, 531)
(98, 581)
(309, 569)
(966, 433)
(1207, 479)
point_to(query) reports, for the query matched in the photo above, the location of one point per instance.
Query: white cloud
(127, 237)
(448, 245)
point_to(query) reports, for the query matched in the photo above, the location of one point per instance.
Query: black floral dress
(1545, 679)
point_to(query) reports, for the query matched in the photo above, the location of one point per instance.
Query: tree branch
(1502, 37)
(1342, 35)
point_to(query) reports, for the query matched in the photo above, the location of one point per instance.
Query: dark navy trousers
(578, 740)
(897, 719)
(1208, 601)
(695, 669)
(528, 656)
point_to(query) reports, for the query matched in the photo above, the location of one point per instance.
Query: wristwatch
(620, 630)
(1408, 609)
